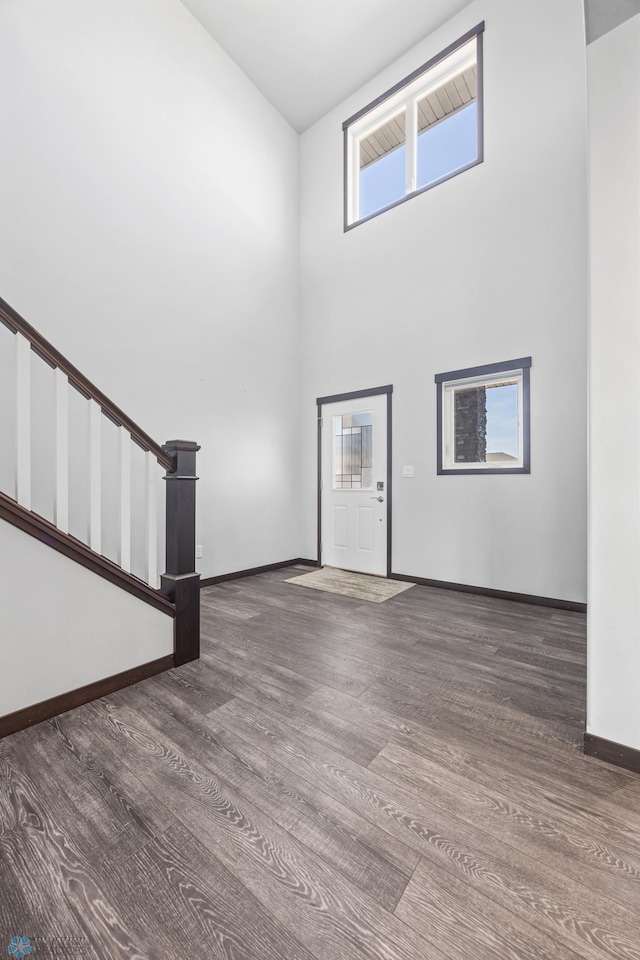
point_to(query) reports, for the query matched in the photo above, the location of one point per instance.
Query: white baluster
(95, 476)
(23, 412)
(151, 526)
(62, 451)
(124, 557)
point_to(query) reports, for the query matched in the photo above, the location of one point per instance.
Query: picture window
(483, 419)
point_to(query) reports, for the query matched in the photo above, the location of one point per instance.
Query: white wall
(613, 702)
(486, 267)
(148, 201)
(70, 628)
(148, 196)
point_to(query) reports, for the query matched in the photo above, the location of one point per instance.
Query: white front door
(354, 480)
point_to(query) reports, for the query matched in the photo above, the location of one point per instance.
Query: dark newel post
(180, 582)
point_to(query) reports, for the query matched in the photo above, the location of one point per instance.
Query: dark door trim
(358, 395)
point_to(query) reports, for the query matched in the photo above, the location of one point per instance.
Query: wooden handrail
(180, 584)
(36, 526)
(50, 355)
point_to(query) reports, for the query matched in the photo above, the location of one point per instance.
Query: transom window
(423, 131)
(483, 419)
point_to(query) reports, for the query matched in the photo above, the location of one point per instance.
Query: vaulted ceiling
(306, 56)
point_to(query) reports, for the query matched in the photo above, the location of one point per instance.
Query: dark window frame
(476, 32)
(522, 364)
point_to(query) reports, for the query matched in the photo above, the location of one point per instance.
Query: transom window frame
(404, 96)
(489, 374)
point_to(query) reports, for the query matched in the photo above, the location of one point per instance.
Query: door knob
(379, 499)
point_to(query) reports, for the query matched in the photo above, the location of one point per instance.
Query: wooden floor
(334, 779)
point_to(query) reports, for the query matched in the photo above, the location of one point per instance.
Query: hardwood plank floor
(333, 780)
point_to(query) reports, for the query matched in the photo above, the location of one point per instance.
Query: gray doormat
(347, 584)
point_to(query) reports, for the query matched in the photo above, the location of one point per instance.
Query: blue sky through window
(382, 182)
(502, 419)
(449, 145)
(442, 149)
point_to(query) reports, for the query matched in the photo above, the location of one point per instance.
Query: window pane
(448, 145)
(486, 424)
(352, 451)
(382, 166)
(470, 425)
(502, 422)
(448, 123)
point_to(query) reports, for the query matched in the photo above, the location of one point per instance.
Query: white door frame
(338, 398)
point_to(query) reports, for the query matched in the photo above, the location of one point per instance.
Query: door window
(353, 451)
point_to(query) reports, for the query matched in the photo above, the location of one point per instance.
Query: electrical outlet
(199, 552)
(407, 471)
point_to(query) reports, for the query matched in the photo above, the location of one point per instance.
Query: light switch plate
(407, 471)
(199, 551)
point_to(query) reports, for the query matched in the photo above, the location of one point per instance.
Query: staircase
(81, 477)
